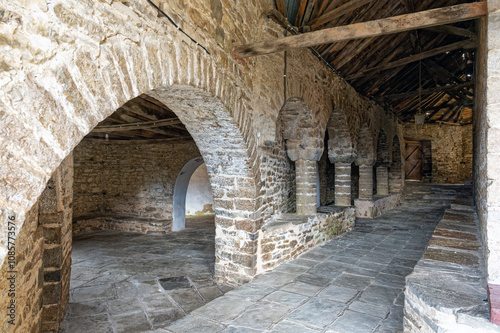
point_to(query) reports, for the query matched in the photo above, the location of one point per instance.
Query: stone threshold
(447, 290)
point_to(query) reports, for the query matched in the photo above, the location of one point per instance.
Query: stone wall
(129, 185)
(42, 260)
(75, 69)
(27, 296)
(451, 150)
(486, 144)
(288, 236)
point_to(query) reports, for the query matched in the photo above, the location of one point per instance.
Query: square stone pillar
(366, 182)
(305, 171)
(382, 180)
(342, 184)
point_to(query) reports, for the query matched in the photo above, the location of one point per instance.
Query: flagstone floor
(354, 283)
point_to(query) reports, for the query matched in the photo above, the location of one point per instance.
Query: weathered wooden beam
(309, 9)
(420, 20)
(428, 91)
(137, 126)
(465, 44)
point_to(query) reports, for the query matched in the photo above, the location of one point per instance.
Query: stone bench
(122, 223)
(447, 290)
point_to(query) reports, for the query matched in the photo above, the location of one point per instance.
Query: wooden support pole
(420, 20)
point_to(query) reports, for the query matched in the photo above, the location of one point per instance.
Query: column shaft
(305, 173)
(342, 184)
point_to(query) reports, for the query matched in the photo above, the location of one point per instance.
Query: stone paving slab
(353, 283)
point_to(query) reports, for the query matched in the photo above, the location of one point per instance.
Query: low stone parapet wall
(289, 235)
(373, 208)
(447, 290)
(127, 224)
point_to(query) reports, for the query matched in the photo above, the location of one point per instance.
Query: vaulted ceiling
(392, 68)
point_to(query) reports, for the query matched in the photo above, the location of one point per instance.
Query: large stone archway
(74, 86)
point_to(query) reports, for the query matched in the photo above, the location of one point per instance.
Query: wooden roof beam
(420, 20)
(143, 125)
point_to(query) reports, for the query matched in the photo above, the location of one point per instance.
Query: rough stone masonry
(68, 65)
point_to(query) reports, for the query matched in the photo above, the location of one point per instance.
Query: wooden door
(413, 164)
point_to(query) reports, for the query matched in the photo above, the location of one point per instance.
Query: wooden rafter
(449, 29)
(281, 5)
(300, 12)
(466, 44)
(429, 91)
(420, 20)
(336, 12)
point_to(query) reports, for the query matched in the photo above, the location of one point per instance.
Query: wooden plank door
(413, 165)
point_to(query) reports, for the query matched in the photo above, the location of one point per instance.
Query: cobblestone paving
(354, 283)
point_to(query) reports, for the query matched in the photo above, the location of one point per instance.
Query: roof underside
(141, 118)
(392, 68)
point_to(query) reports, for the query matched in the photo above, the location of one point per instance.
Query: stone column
(342, 184)
(366, 182)
(305, 159)
(305, 171)
(382, 180)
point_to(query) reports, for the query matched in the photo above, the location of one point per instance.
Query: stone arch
(396, 168)
(180, 191)
(75, 86)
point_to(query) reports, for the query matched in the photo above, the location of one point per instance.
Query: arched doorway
(180, 192)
